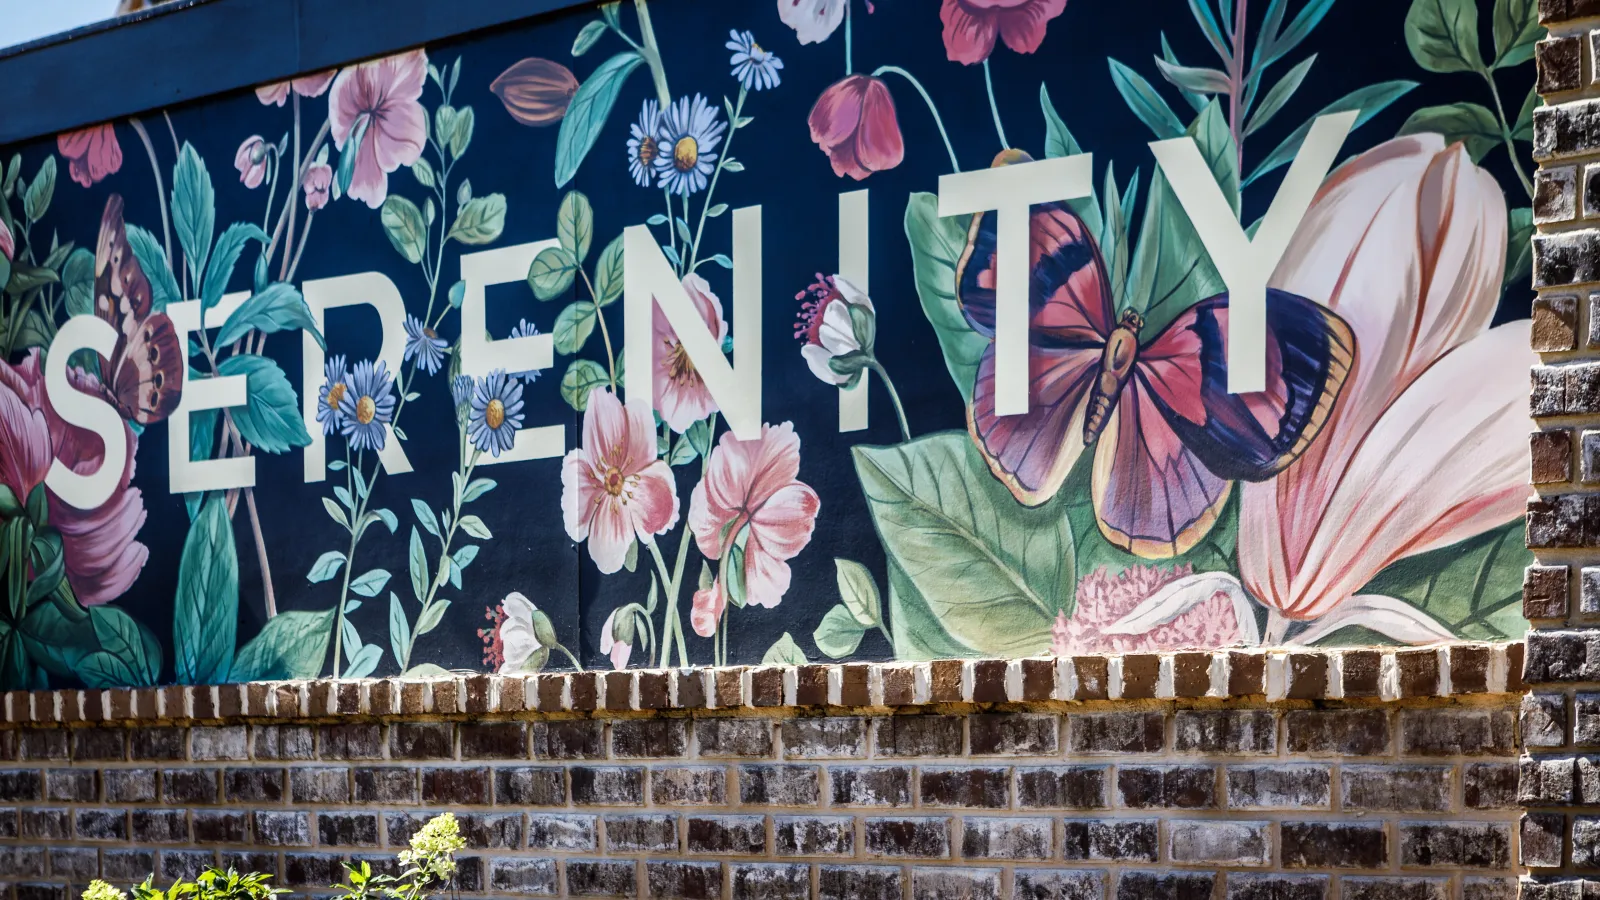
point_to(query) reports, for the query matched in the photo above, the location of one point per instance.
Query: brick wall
(1358, 776)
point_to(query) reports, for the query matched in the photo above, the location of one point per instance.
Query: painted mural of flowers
(855, 125)
(425, 345)
(681, 395)
(642, 144)
(496, 413)
(813, 21)
(755, 67)
(1104, 598)
(335, 381)
(92, 153)
(251, 161)
(687, 138)
(375, 106)
(520, 637)
(613, 489)
(366, 405)
(317, 185)
(971, 26)
(307, 86)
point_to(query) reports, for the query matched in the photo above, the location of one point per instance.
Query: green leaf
(130, 655)
(481, 220)
(1194, 80)
(1278, 95)
(1145, 103)
(399, 629)
(608, 273)
(683, 453)
(859, 592)
(326, 566)
(1443, 35)
(25, 278)
(202, 436)
(461, 133)
(1516, 30)
(153, 260)
(1114, 245)
(271, 419)
(474, 526)
(225, 257)
(1196, 101)
(194, 209)
(36, 199)
(936, 246)
(431, 617)
(1299, 29)
(591, 33)
(582, 377)
(464, 555)
(335, 512)
(1369, 100)
(1519, 250)
(364, 661)
(417, 564)
(279, 307)
(371, 583)
(1474, 587)
(1523, 130)
(839, 634)
(346, 169)
(981, 572)
(784, 652)
(206, 611)
(477, 488)
(552, 272)
(587, 113)
(407, 230)
(574, 326)
(575, 225)
(292, 645)
(9, 180)
(386, 517)
(1470, 123)
(35, 331)
(423, 171)
(77, 282)
(1201, 9)
(425, 516)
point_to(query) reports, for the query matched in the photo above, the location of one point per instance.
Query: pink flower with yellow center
(613, 488)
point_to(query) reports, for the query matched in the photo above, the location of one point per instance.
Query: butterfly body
(1116, 367)
(143, 378)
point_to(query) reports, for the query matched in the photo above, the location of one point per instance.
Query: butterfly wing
(147, 380)
(1068, 298)
(1248, 437)
(121, 290)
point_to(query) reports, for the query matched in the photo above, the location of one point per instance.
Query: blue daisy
(336, 380)
(688, 134)
(755, 67)
(642, 145)
(367, 405)
(425, 345)
(525, 329)
(461, 389)
(496, 413)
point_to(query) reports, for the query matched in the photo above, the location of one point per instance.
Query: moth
(1169, 440)
(143, 379)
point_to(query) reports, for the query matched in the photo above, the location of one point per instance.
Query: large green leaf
(1474, 588)
(1516, 30)
(587, 113)
(575, 224)
(194, 209)
(1519, 250)
(225, 256)
(552, 273)
(1471, 123)
(292, 645)
(278, 307)
(153, 260)
(206, 610)
(1443, 35)
(36, 199)
(982, 572)
(1145, 103)
(271, 418)
(784, 653)
(481, 220)
(936, 245)
(77, 282)
(103, 646)
(1058, 141)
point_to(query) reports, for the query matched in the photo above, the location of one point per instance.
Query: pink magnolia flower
(92, 153)
(752, 486)
(375, 105)
(307, 86)
(102, 556)
(317, 183)
(613, 489)
(1104, 598)
(8, 243)
(854, 123)
(681, 394)
(1428, 443)
(970, 26)
(251, 161)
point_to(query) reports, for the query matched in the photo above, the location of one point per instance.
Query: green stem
(894, 395)
(733, 127)
(350, 558)
(161, 191)
(1505, 132)
(849, 41)
(884, 70)
(652, 53)
(605, 333)
(575, 664)
(994, 110)
(445, 542)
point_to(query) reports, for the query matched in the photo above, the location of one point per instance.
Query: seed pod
(536, 91)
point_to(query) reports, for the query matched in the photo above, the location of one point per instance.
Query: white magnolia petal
(1387, 616)
(518, 607)
(838, 332)
(853, 295)
(817, 359)
(518, 642)
(1178, 597)
(606, 639)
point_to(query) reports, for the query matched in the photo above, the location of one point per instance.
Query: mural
(179, 503)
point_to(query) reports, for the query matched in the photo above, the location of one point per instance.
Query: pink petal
(705, 523)
(605, 428)
(968, 39)
(1023, 27)
(580, 492)
(8, 245)
(368, 181)
(709, 603)
(653, 500)
(785, 521)
(399, 132)
(273, 94)
(640, 438)
(610, 535)
(313, 85)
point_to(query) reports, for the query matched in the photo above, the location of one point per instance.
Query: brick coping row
(1446, 670)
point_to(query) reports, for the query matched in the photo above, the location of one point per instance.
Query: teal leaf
(346, 169)
(461, 134)
(279, 307)
(36, 199)
(587, 113)
(936, 246)
(839, 634)
(202, 435)
(425, 515)
(399, 629)
(1516, 31)
(417, 566)
(77, 282)
(271, 419)
(1519, 250)
(1369, 100)
(1145, 103)
(474, 526)
(551, 273)
(477, 488)
(326, 566)
(1201, 9)
(575, 225)
(464, 555)
(1299, 29)
(407, 230)
(1523, 129)
(573, 326)
(784, 652)
(153, 260)
(224, 258)
(1443, 35)
(608, 273)
(458, 293)
(1278, 95)
(480, 221)
(206, 611)
(1195, 101)
(292, 645)
(129, 656)
(364, 661)
(194, 209)
(1194, 80)
(588, 36)
(431, 617)
(371, 583)
(387, 517)
(1470, 123)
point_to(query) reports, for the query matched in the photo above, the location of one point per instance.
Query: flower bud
(536, 91)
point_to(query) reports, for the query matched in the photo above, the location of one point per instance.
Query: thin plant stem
(300, 174)
(161, 191)
(261, 555)
(575, 664)
(605, 333)
(849, 41)
(894, 395)
(294, 190)
(1236, 110)
(994, 109)
(350, 558)
(652, 53)
(884, 70)
(733, 128)
(1505, 132)
(299, 247)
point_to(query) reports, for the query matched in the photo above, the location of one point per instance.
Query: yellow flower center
(680, 368)
(614, 481)
(495, 413)
(685, 154)
(335, 394)
(366, 410)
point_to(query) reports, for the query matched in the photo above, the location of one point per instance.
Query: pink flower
(854, 123)
(1104, 599)
(102, 556)
(709, 602)
(1428, 443)
(618, 649)
(375, 105)
(318, 181)
(251, 161)
(92, 153)
(8, 245)
(681, 394)
(307, 86)
(751, 486)
(970, 26)
(613, 489)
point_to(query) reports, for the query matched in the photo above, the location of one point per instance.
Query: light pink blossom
(251, 161)
(1103, 599)
(971, 26)
(618, 651)
(613, 489)
(706, 611)
(751, 488)
(813, 21)
(374, 105)
(681, 394)
(318, 181)
(8, 245)
(307, 86)
(92, 153)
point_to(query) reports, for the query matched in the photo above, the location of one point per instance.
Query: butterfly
(143, 379)
(1170, 440)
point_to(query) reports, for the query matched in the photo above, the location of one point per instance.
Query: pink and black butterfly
(143, 378)
(1172, 440)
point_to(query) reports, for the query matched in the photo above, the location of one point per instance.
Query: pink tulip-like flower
(611, 646)
(8, 243)
(813, 21)
(102, 556)
(92, 153)
(854, 123)
(706, 612)
(750, 487)
(1104, 598)
(318, 182)
(307, 86)
(681, 394)
(970, 26)
(1428, 443)
(613, 489)
(251, 161)
(374, 105)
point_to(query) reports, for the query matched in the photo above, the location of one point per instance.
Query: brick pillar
(1560, 721)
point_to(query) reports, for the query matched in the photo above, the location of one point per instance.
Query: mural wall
(358, 340)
